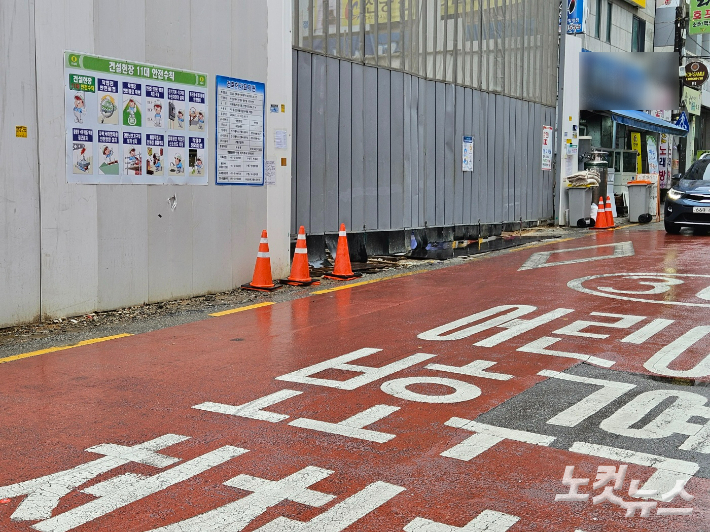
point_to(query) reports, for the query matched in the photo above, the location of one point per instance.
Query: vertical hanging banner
(699, 17)
(240, 111)
(123, 122)
(467, 163)
(547, 147)
(652, 151)
(665, 153)
(636, 145)
(576, 20)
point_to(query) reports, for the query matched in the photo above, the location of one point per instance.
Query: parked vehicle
(688, 201)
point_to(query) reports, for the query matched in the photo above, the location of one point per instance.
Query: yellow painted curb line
(62, 348)
(361, 283)
(241, 309)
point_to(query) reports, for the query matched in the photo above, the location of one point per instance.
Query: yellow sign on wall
(636, 145)
(21, 131)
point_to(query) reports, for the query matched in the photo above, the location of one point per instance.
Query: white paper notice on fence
(281, 139)
(270, 172)
(467, 163)
(546, 147)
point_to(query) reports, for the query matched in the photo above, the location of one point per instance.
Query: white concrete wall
(104, 247)
(19, 179)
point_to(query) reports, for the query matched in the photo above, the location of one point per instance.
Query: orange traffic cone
(609, 213)
(262, 271)
(300, 269)
(601, 222)
(342, 270)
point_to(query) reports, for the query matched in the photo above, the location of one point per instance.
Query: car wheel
(671, 228)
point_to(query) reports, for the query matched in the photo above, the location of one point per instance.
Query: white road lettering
(539, 347)
(486, 436)
(353, 427)
(253, 409)
(237, 515)
(44, 493)
(514, 311)
(668, 470)
(660, 286)
(463, 391)
(576, 328)
(342, 515)
(540, 259)
(486, 521)
(647, 331)
(590, 405)
(369, 374)
(520, 326)
(673, 420)
(659, 362)
(138, 488)
(477, 368)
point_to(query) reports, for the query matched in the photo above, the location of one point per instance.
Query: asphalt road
(453, 399)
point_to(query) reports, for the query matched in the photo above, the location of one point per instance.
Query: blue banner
(575, 16)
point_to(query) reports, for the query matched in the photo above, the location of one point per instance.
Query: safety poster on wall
(134, 123)
(241, 106)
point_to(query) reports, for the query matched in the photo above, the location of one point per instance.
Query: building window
(598, 20)
(638, 35)
(609, 6)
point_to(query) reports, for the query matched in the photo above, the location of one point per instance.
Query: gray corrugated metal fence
(381, 150)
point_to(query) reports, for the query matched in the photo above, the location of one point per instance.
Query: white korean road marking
(576, 328)
(659, 362)
(353, 427)
(237, 515)
(342, 515)
(369, 374)
(539, 347)
(668, 470)
(590, 405)
(578, 285)
(463, 391)
(486, 521)
(477, 368)
(648, 331)
(44, 493)
(253, 409)
(540, 259)
(134, 488)
(486, 437)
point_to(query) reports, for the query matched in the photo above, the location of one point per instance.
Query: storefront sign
(547, 147)
(636, 145)
(121, 114)
(699, 17)
(692, 100)
(665, 153)
(696, 73)
(667, 3)
(576, 21)
(240, 131)
(652, 151)
(663, 115)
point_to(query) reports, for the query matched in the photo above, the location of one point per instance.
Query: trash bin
(639, 199)
(580, 204)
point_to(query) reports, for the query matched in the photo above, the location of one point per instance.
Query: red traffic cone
(342, 270)
(300, 269)
(262, 280)
(609, 213)
(601, 222)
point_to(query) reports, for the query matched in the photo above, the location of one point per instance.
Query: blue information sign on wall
(575, 16)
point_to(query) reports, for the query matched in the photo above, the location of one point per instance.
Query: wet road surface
(456, 399)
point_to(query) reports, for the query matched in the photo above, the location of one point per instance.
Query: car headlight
(674, 194)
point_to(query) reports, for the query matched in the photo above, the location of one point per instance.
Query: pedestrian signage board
(576, 20)
(696, 73)
(547, 147)
(467, 162)
(241, 108)
(699, 17)
(134, 123)
(683, 121)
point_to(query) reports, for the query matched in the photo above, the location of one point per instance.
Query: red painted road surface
(398, 464)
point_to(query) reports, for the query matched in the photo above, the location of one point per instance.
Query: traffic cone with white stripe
(609, 213)
(262, 280)
(602, 220)
(300, 269)
(342, 271)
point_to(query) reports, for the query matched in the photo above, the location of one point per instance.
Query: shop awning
(646, 122)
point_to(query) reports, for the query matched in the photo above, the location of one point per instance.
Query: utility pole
(564, 8)
(679, 47)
